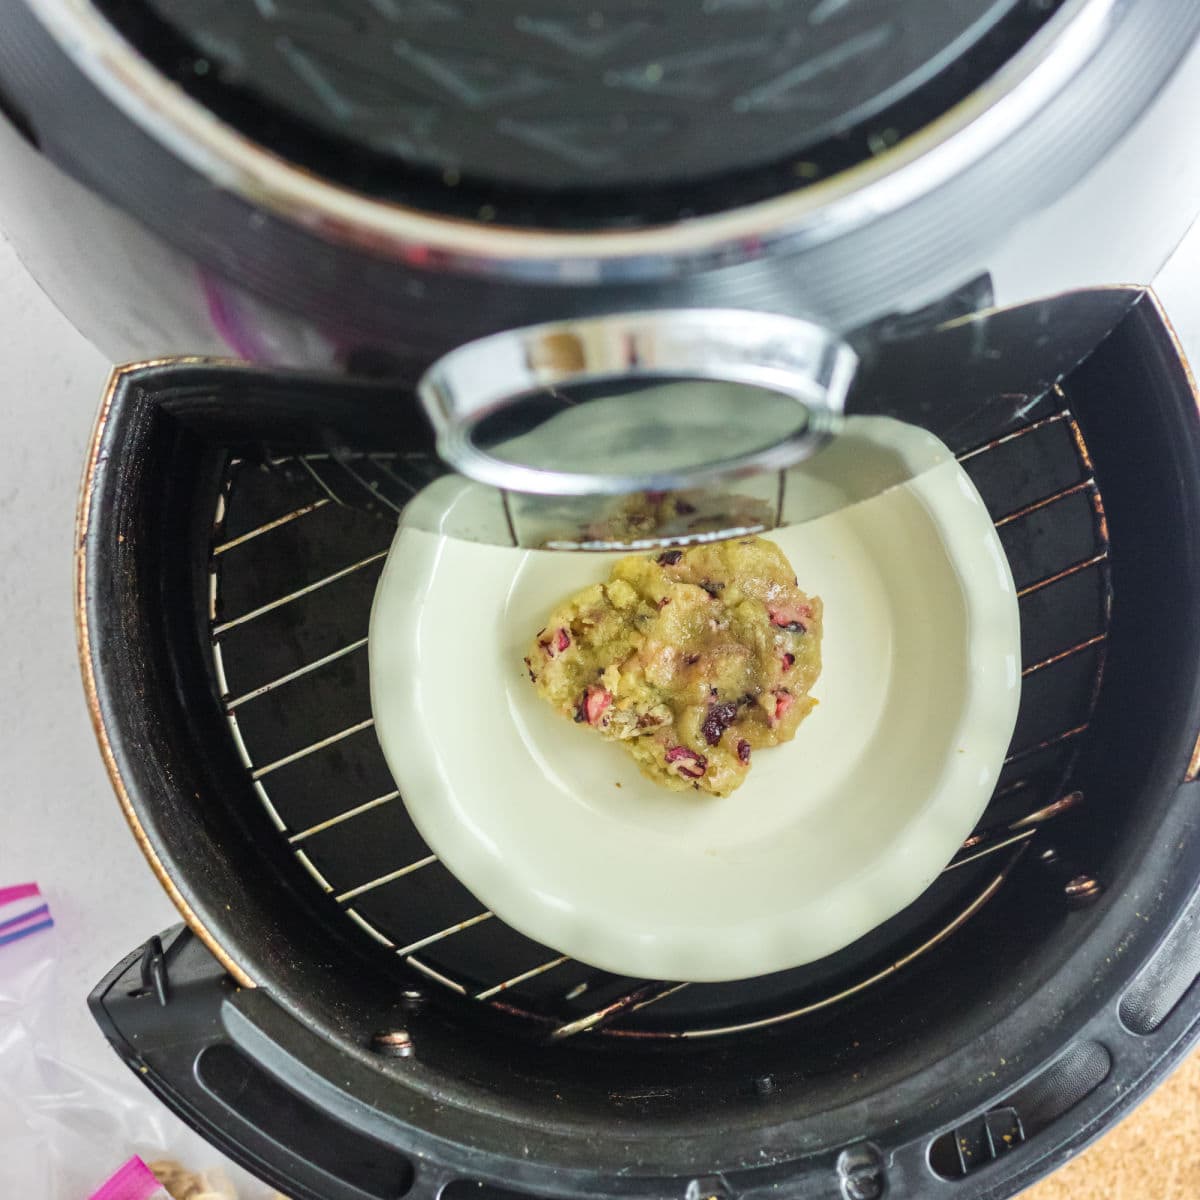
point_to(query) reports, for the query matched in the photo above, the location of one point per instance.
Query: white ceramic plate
(558, 833)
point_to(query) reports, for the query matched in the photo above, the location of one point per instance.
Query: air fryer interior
(293, 575)
(235, 527)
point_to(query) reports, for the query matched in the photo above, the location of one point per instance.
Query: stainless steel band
(784, 356)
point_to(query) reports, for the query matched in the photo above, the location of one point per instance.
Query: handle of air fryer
(161, 1010)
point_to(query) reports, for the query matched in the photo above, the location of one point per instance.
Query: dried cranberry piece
(664, 602)
(529, 668)
(713, 589)
(669, 558)
(596, 701)
(691, 660)
(794, 617)
(687, 762)
(718, 719)
(684, 509)
(783, 701)
(555, 645)
(789, 661)
(743, 751)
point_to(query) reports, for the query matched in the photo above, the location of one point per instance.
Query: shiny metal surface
(634, 446)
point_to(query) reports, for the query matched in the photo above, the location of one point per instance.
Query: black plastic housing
(1035, 1017)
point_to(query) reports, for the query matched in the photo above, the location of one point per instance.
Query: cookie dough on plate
(693, 660)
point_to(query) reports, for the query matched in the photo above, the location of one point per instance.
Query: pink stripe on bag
(19, 891)
(133, 1181)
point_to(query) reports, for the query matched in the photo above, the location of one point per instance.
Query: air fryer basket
(397, 1037)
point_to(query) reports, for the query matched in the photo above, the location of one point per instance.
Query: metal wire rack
(290, 661)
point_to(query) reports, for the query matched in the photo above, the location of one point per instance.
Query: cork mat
(1154, 1154)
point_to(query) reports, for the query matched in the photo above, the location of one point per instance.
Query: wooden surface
(1154, 1154)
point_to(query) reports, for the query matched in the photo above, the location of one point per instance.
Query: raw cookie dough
(692, 659)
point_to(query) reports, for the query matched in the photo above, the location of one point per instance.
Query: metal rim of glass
(784, 355)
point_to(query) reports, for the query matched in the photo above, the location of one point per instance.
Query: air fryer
(286, 230)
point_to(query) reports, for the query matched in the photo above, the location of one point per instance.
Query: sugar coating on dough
(692, 659)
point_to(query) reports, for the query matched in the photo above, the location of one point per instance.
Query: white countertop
(62, 826)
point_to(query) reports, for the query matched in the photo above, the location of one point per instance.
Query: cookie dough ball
(692, 659)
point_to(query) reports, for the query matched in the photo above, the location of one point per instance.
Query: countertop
(64, 829)
(1154, 1154)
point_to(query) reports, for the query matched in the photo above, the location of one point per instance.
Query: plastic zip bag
(64, 1130)
(132, 1181)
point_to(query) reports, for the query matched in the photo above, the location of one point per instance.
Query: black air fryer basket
(344, 1018)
